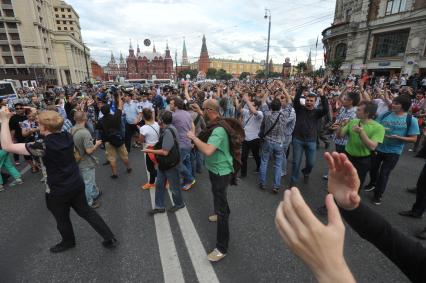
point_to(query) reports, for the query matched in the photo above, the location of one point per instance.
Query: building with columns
(382, 36)
(41, 41)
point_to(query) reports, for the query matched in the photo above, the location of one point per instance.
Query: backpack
(236, 136)
(408, 120)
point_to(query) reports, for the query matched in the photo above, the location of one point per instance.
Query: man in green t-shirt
(219, 162)
(364, 135)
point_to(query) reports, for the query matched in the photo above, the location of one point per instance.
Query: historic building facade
(114, 69)
(382, 36)
(149, 65)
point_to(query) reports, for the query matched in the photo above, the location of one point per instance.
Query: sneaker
(43, 180)
(283, 174)
(410, 213)
(114, 176)
(275, 190)
(377, 200)
(16, 182)
(215, 255)
(156, 210)
(1, 188)
(188, 186)
(129, 170)
(412, 190)
(369, 188)
(110, 244)
(325, 177)
(17, 163)
(175, 208)
(61, 247)
(95, 205)
(262, 187)
(148, 186)
(410, 150)
(213, 218)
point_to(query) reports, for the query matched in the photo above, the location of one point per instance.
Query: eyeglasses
(19, 108)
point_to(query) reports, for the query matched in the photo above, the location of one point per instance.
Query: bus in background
(8, 93)
(163, 82)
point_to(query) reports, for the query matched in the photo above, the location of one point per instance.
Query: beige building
(382, 36)
(38, 45)
(236, 67)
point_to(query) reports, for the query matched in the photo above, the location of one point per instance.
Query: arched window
(340, 51)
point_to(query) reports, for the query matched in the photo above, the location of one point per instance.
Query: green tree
(211, 73)
(335, 65)
(260, 74)
(244, 75)
(193, 73)
(221, 74)
(301, 67)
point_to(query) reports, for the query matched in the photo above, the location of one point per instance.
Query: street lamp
(268, 15)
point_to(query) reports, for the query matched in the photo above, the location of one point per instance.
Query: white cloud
(234, 29)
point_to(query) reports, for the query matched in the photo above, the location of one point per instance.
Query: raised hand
(343, 181)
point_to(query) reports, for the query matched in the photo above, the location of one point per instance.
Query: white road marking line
(170, 263)
(202, 266)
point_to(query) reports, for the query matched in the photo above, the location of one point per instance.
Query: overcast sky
(234, 28)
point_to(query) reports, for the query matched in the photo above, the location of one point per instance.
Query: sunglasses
(19, 108)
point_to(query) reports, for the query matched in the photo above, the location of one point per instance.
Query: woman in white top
(149, 135)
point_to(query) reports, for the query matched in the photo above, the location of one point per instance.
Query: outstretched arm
(6, 138)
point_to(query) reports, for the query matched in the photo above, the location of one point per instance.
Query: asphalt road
(173, 248)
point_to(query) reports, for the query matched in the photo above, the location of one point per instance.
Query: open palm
(343, 181)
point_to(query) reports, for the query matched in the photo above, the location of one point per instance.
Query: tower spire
(184, 54)
(153, 47)
(130, 45)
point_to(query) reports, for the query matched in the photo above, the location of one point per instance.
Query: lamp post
(268, 15)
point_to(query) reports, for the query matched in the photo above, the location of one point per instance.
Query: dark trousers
(382, 165)
(151, 169)
(254, 146)
(419, 206)
(362, 166)
(221, 208)
(60, 206)
(131, 129)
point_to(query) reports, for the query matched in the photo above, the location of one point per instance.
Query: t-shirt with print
(83, 140)
(355, 146)
(220, 162)
(396, 125)
(151, 133)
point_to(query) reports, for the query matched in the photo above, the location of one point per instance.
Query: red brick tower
(203, 62)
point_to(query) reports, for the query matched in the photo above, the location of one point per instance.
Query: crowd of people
(200, 126)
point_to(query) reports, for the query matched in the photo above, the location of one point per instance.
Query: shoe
(1, 188)
(262, 187)
(16, 182)
(325, 177)
(98, 196)
(188, 186)
(42, 180)
(412, 190)
(410, 150)
(410, 213)
(306, 178)
(61, 247)
(95, 205)
(110, 244)
(17, 163)
(215, 255)
(421, 235)
(105, 163)
(148, 186)
(275, 190)
(129, 170)
(369, 188)
(175, 208)
(114, 176)
(377, 200)
(156, 210)
(283, 174)
(213, 218)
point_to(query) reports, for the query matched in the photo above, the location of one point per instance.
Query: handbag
(115, 139)
(173, 158)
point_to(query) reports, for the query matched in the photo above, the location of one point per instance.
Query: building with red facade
(115, 70)
(149, 65)
(97, 71)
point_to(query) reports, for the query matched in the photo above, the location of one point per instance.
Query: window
(17, 48)
(69, 10)
(395, 6)
(58, 22)
(63, 16)
(64, 22)
(71, 28)
(1, 25)
(9, 2)
(20, 59)
(8, 13)
(56, 9)
(69, 16)
(56, 15)
(59, 28)
(340, 52)
(14, 36)
(65, 28)
(11, 25)
(7, 59)
(391, 44)
(3, 36)
(62, 10)
(5, 48)
(73, 34)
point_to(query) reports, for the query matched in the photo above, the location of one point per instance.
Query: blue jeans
(196, 161)
(310, 149)
(171, 175)
(286, 145)
(91, 189)
(277, 150)
(185, 165)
